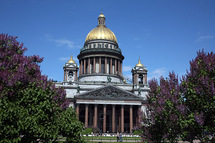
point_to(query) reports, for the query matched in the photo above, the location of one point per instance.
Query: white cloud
(67, 58)
(63, 42)
(126, 68)
(157, 73)
(64, 58)
(136, 38)
(200, 38)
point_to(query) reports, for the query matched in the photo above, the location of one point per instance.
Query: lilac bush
(184, 110)
(165, 110)
(31, 108)
(199, 95)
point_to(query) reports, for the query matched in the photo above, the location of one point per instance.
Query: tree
(185, 110)
(165, 110)
(70, 127)
(199, 96)
(31, 108)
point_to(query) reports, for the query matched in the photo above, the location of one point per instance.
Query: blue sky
(165, 34)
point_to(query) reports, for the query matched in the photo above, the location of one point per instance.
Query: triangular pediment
(108, 92)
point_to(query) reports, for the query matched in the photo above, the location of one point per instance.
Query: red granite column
(84, 66)
(86, 115)
(100, 64)
(105, 64)
(95, 115)
(104, 118)
(131, 118)
(122, 118)
(115, 66)
(113, 118)
(119, 67)
(111, 72)
(77, 110)
(94, 65)
(80, 72)
(88, 66)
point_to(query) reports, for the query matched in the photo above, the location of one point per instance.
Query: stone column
(95, 115)
(138, 113)
(84, 66)
(76, 76)
(80, 69)
(82, 63)
(115, 66)
(94, 65)
(88, 66)
(122, 118)
(86, 115)
(64, 77)
(105, 64)
(145, 78)
(119, 67)
(131, 118)
(137, 79)
(113, 118)
(111, 72)
(77, 110)
(100, 64)
(104, 118)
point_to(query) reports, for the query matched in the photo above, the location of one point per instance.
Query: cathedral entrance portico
(108, 118)
(108, 109)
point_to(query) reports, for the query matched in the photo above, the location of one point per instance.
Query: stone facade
(100, 95)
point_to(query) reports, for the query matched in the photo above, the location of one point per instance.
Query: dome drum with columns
(101, 56)
(100, 90)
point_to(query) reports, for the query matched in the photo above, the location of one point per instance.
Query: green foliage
(199, 97)
(88, 131)
(137, 132)
(32, 109)
(185, 110)
(164, 111)
(70, 127)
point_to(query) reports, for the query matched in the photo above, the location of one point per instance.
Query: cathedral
(96, 87)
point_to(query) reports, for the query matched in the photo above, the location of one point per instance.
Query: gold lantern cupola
(71, 60)
(101, 20)
(139, 64)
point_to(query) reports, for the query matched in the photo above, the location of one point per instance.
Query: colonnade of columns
(116, 126)
(104, 65)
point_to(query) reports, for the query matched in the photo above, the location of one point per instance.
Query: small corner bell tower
(139, 75)
(70, 71)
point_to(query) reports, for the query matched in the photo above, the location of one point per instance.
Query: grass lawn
(96, 139)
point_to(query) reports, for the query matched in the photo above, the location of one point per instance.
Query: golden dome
(101, 31)
(71, 60)
(101, 15)
(139, 64)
